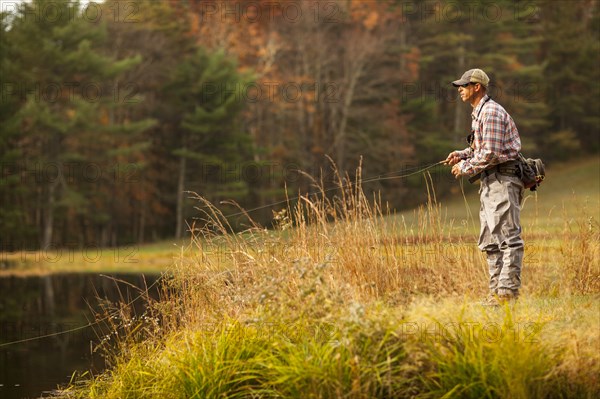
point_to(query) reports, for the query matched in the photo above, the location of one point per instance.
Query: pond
(32, 307)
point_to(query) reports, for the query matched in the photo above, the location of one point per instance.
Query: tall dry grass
(339, 300)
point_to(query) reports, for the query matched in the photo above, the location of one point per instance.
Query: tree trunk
(142, 226)
(49, 217)
(180, 198)
(340, 140)
(49, 305)
(104, 236)
(458, 110)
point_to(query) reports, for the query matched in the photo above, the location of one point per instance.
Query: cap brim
(460, 82)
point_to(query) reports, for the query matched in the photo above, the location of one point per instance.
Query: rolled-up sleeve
(466, 153)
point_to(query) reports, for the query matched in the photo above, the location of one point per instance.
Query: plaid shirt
(496, 138)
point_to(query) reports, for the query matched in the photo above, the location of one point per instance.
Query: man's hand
(452, 159)
(456, 171)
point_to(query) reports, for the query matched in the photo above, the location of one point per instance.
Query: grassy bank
(451, 348)
(346, 301)
(148, 258)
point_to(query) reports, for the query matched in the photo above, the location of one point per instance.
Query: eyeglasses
(466, 84)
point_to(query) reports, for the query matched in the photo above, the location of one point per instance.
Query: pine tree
(62, 103)
(158, 33)
(207, 91)
(12, 215)
(500, 37)
(571, 51)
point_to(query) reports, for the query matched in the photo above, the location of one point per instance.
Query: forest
(113, 114)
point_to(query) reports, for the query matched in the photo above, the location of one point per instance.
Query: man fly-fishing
(492, 157)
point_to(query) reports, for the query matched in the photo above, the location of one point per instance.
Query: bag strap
(476, 177)
(471, 136)
(481, 109)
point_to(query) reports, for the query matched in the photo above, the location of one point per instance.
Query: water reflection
(36, 306)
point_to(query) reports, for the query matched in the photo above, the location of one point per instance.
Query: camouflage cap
(472, 76)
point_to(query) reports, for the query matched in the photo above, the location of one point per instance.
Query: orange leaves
(365, 12)
(413, 59)
(194, 24)
(71, 113)
(237, 27)
(373, 14)
(371, 21)
(104, 119)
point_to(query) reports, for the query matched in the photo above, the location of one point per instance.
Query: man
(494, 145)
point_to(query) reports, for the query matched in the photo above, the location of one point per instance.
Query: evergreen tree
(61, 121)
(207, 91)
(571, 50)
(159, 34)
(12, 215)
(499, 37)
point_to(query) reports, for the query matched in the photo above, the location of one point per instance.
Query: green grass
(452, 349)
(528, 350)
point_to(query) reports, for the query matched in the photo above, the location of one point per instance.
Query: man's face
(467, 92)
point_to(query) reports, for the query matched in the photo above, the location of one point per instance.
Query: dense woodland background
(111, 112)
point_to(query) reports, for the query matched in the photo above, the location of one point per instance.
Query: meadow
(348, 299)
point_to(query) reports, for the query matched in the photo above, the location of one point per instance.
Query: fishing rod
(387, 176)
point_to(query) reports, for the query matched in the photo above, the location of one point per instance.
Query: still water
(36, 306)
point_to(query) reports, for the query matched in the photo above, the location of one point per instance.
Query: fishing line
(80, 327)
(387, 176)
(467, 206)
